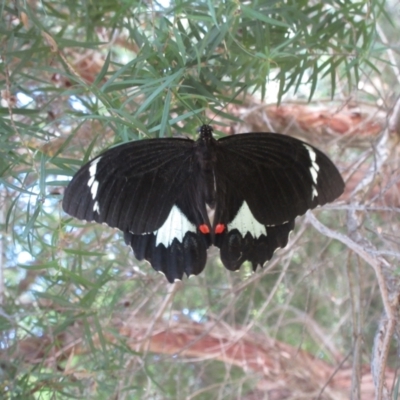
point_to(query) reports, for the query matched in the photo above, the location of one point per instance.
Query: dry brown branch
(313, 122)
(368, 253)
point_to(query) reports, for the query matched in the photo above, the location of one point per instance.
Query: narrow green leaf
(19, 111)
(89, 298)
(180, 118)
(103, 70)
(31, 221)
(250, 13)
(42, 175)
(167, 82)
(333, 78)
(165, 116)
(211, 8)
(46, 265)
(102, 340)
(63, 42)
(88, 334)
(77, 279)
(16, 188)
(314, 80)
(84, 253)
(179, 42)
(62, 301)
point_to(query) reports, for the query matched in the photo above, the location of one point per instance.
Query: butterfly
(159, 192)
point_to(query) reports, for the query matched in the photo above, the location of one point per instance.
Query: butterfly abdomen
(206, 158)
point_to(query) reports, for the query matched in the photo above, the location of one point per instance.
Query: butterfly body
(157, 192)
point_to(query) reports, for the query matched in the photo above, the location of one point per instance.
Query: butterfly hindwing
(241, 236)
(236, 247)
(178, 246)
(188, 256)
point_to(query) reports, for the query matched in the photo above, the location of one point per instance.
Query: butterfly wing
(131, 187)
(279, 177)
(146, 189)
(235, 248)
(264, 181)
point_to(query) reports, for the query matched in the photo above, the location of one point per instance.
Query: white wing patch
(244, 222)
(96, 207)
(175, 227)
(93, 184)
(93, 189)
(93, 168)
(314, 169)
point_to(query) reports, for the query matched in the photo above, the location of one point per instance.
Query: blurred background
(81, 318)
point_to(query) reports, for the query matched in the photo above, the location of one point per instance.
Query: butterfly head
(206, 131)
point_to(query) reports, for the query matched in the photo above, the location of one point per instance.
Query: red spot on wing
(219, 228)
(204, 229)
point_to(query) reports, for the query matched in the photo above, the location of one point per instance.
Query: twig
(356, 309)
(167, 300)
(376, 262)
(378, 353)
(381, 154)
(394, 120)
(334, 372)
(390, 52)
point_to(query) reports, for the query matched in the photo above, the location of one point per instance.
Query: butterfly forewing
(278, 176)
(133, 186)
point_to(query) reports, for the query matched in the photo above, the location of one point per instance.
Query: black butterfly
(157, 192)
